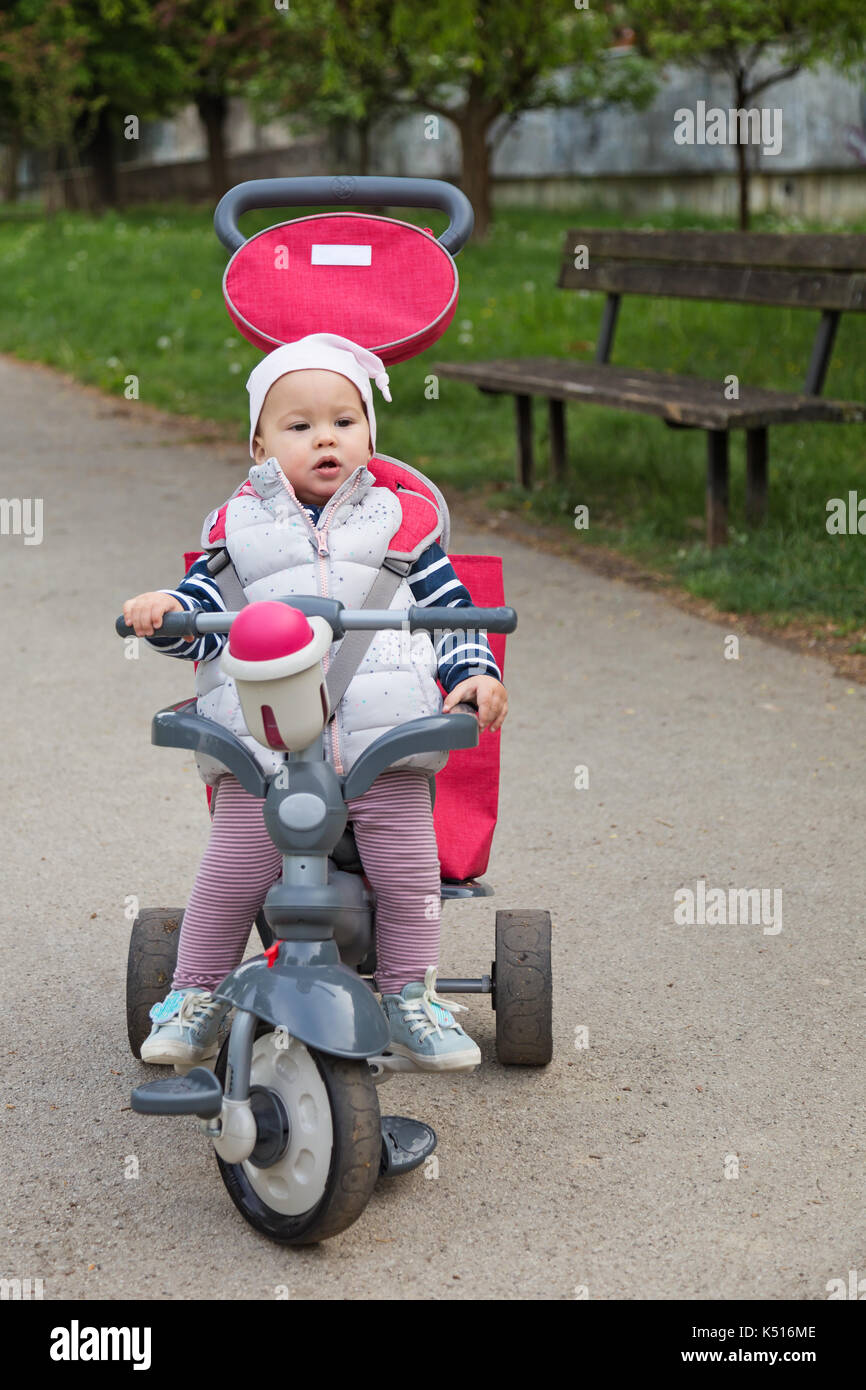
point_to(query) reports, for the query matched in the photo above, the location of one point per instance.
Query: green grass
(139, 293)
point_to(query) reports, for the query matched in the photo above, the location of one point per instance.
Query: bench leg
(557, 439)
(525, 465)
(717, 488)
(756, 475)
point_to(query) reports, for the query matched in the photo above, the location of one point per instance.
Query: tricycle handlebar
(367, 189)
(343, 620)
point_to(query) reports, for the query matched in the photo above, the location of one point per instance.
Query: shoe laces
(197, 1007)
(416, 1011)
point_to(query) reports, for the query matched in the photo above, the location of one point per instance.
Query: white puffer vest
(277, 550)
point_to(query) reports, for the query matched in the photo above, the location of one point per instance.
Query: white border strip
(334, 254)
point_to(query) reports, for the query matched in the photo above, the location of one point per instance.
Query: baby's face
(310, 416)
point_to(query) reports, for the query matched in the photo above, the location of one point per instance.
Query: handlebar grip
(463, 619)
(172, 625)
(340, 189)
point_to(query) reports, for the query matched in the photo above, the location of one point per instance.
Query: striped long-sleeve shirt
(432, 580)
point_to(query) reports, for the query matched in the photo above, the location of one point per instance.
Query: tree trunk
(339, 135)
(77, 186)
(473, 122)
(102, 158)
(742, 162)
(52, 194)
(363, 129)
(213, 110)
(743, 184)
(10, 173)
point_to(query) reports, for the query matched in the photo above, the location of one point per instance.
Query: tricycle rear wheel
(150, 968)
(151, 965)
(522, 988)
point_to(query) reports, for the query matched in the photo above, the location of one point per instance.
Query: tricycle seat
(345, 856)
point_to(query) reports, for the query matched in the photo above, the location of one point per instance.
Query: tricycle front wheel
(319, 1149)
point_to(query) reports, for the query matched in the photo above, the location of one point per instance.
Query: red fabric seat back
(467, 788)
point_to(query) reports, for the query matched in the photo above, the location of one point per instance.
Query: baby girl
(311, 519)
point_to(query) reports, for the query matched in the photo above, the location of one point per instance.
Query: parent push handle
(343, 620)
(339, 189)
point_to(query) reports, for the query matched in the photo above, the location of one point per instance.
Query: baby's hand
(144, 612)
(490, 697)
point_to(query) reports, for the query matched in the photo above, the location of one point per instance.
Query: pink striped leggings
(393, 824)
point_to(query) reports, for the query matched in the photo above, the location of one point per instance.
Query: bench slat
(740, 284)
(683, 400)
(831, 251)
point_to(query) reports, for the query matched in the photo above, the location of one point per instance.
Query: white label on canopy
(332, 254)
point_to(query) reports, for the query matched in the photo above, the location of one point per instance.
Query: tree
(476, 61)
(129, 70)
(472, 61)
(739, 37)
(330, 69)
(356, 75)
(224, 44)
(41, 69)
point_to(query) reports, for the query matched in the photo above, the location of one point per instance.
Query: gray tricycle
(291, 1105)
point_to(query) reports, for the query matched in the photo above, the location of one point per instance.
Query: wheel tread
(524, 988)
(150, 967)
(355, 1158)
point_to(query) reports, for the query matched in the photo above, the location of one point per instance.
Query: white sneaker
(185, 1028)
(424, 1032)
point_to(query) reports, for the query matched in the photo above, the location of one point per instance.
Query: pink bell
(274, 656)
(266, 630)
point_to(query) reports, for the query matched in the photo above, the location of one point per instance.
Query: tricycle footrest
(197, 1093)
(405, 1144)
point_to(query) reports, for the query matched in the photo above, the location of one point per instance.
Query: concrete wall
(823, 124)
(567, 157)
(823, 121)
(182, 139)
(189, 180)
(830, 198)
(629, 160)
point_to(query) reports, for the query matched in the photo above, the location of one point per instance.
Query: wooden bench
(826, 273)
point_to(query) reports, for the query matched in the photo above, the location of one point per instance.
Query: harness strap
(353, 646)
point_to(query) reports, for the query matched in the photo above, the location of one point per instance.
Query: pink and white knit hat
(318, 350)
